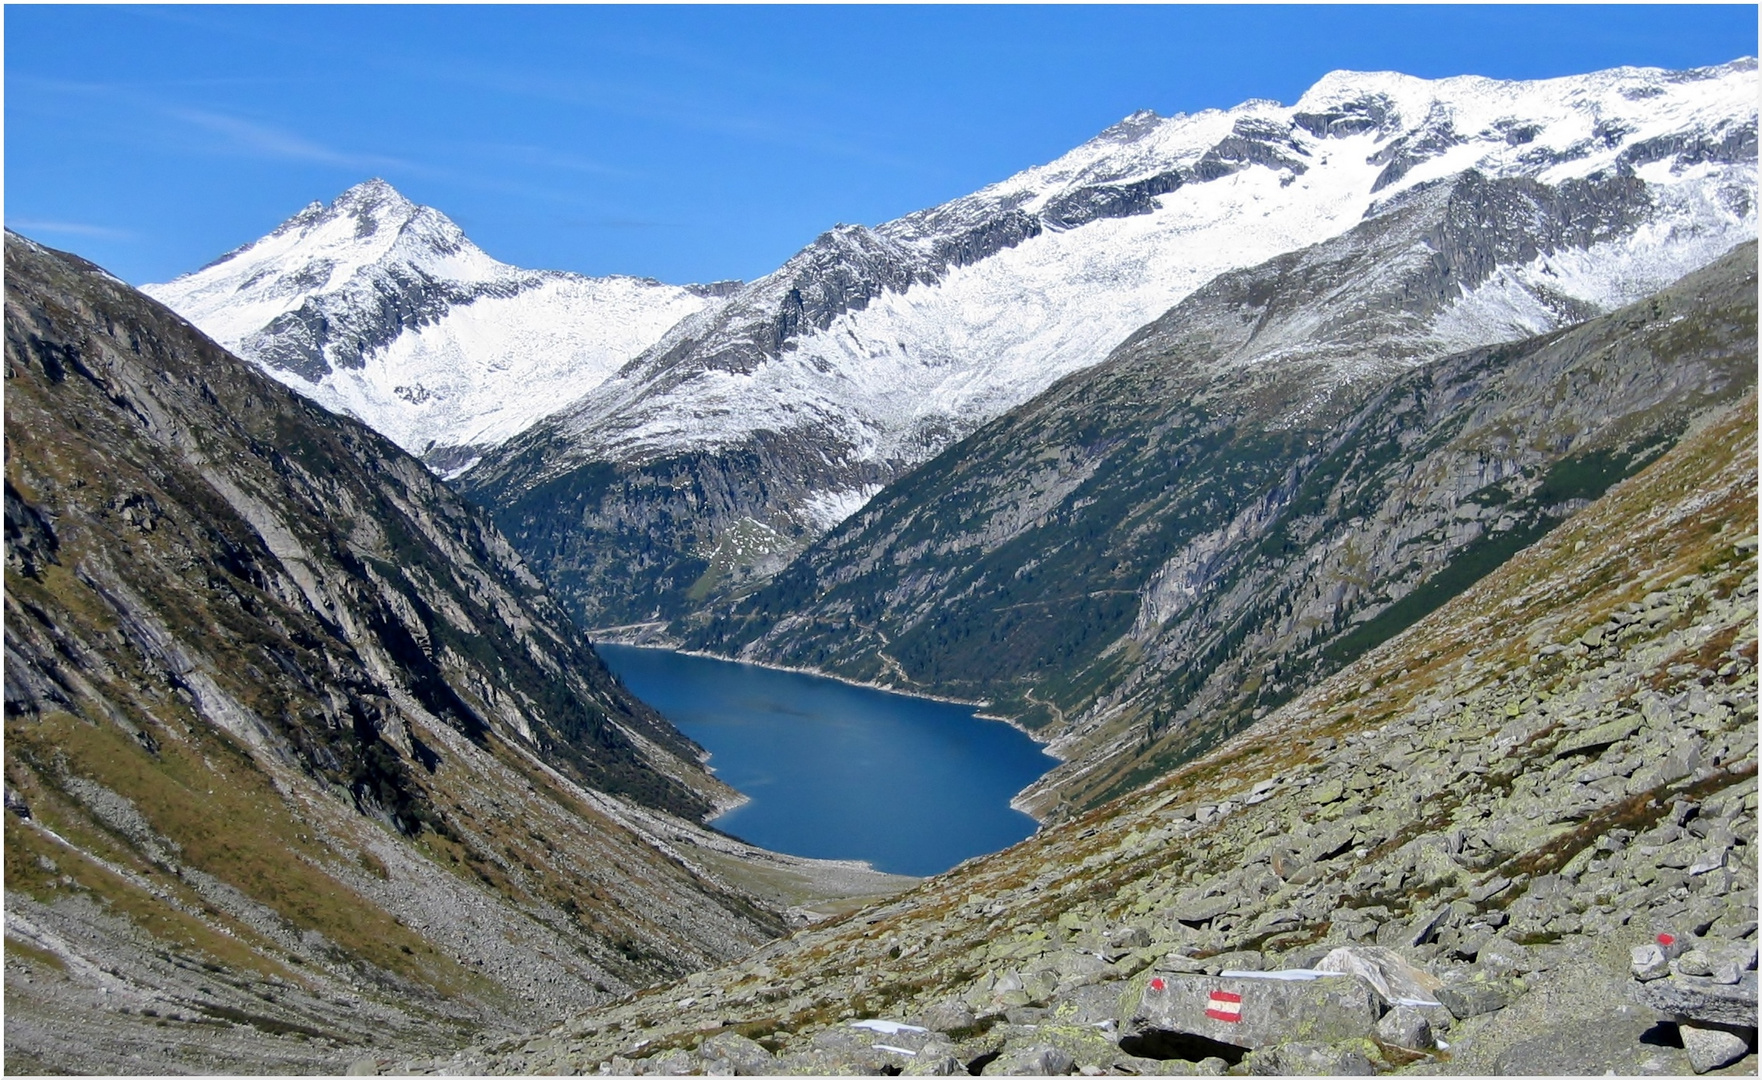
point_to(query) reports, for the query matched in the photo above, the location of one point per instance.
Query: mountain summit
(382, 309)
(754, 427)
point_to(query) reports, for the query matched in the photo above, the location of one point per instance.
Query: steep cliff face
(1501, 807)
(753, 427)
(1256, 489)
(301, 762)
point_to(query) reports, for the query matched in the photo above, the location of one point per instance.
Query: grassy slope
(374, 854)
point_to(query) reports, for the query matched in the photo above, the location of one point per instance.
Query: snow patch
(827, 508)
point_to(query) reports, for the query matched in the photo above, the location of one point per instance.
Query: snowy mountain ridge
(914, 341)
(383, 310)
(751, 429)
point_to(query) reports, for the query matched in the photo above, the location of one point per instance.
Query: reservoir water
(836, 771)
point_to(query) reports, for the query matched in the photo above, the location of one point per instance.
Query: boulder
(673, 1062)
(948, 1015)
(1083, 1046)
(1390, 973)
(737, 1054)
(1711, 1047)
(1251, 1013)
(1723, 962)
(1200, 910)
(1475, 996)
(1310, 1059)
(1618, 1042)
(1504, 955)
(1705, 1001)
(1074, 967)
(1212, 1066)
(819, 1062)
(1648, 962)
(1601, 736)
(934, 1063)
(1097, 1004)
(1031, 1060)
(1408, 1027)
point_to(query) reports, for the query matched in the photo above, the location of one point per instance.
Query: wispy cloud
(713, 115)
(69, 228)
(262, 140)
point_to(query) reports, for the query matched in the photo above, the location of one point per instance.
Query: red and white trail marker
(1225, 1006)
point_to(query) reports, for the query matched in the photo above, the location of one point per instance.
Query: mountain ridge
(750, 429)
(1152, 553)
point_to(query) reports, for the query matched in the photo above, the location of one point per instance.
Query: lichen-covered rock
(1476, 996)
(1387, 971)
(1698, 1000)
(1254, 1013)
(934, 1063)
(1407, 1026)
(1311, 1059)
(947, 1015)
(1711, 1047)
(736, 1053)
(1648, 963)
(1032, 1059)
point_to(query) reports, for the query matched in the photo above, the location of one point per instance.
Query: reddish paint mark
(1225, 1006)
(1666, 940)
(1158, 985)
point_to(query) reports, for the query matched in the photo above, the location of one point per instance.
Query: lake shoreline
(1039, 740)
(824, 762)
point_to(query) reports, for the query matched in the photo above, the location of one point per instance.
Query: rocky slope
(381, 309)
(1496, 813)
(752, 428)
(1254, 490)
(300, 759)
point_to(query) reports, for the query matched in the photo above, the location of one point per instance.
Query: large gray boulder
(735, 1054)
(1252, 1013)
(1712, 1048)
(1698, 1000)
(1387, 971)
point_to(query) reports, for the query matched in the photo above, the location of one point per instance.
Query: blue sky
(683, 143)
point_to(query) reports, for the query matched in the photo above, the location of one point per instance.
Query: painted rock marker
(1323, 1009)
(1225, 1006)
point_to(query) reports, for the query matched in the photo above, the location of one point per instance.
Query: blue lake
(837, 771)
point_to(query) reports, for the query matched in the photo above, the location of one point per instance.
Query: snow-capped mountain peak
(873, 349)
(382, 308)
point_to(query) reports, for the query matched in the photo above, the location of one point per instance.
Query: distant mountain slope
(301, 762)
(379, 308)
(1549, 771)
(754, 427)
(1158, 551)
